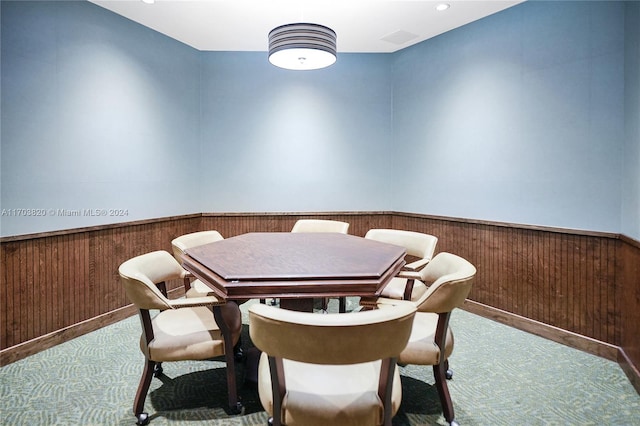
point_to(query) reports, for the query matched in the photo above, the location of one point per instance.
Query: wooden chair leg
(325, 304)
(342, 306)
(440, 369)
(278, 386)
(439, 373)
(141, 394)
(235, 407)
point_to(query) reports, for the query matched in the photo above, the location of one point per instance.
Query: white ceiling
(380, 26)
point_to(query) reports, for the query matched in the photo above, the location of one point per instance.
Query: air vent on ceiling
(399, 37)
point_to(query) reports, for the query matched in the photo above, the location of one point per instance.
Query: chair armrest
(417, 265)
(195, 301)
(409, 275)
(384, 302)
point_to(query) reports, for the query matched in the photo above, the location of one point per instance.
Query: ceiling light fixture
(442, 7)
(149, 1)
(302, 46)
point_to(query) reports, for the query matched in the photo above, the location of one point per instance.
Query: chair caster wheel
(238, 355)
(236, 409)
(143, 419)
(157, 371)
(270, 421)
(449, 374)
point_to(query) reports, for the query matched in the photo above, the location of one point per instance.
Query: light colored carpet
(502, 376)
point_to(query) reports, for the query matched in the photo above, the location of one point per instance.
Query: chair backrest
(140, 275)
(331, 339)
(450, 278)
(194, 239)
(417, 244)
(320, 225)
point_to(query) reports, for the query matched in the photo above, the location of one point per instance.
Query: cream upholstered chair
(351, 380)
(320, 225)
(323, 225)
(420, 247)
(184, 329)
(431, 341)
(194, 288)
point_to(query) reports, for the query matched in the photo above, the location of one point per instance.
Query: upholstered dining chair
(420, 249)
(351, 380)
(431, 341)
(184, 329)
(194, 287)
(324, 225)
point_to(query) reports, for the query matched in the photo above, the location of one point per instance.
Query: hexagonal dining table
(294, 267)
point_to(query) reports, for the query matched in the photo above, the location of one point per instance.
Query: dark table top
(293, 265)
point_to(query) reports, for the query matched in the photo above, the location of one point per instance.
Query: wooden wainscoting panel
(42, 286)
(54, 285)
(628, 299)
(567, 280)
(52, 281)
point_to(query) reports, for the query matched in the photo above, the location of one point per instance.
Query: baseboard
(558, 335)
(630, 370)
(574, 340)
(31, 347)
(39, 344)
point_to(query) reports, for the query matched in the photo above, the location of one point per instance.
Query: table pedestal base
(302, 305)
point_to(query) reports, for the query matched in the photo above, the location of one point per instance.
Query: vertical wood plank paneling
(557, 278)
(586, 279)
(501, 280)
(4, 294)
(610, 291)
(586, 284)
(63, 280)
(628, 300)
(91, 272)
(542, 247)
(29, 291)
(85, 280)
(596, 315)
(16, 294)
(566, 263)
(58, 291)
(534, 278)
(13, 294)
(44, 292)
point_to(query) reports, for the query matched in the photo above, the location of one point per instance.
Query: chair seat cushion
(422, 349)
(329, 394)
(395, 289)
(190, 333)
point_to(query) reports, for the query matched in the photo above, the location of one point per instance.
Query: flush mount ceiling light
(302, 46)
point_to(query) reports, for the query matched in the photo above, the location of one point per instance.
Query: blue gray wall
(518, 117)
(631, 169)
(97, 113)
(278, 140)
(524, 116)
